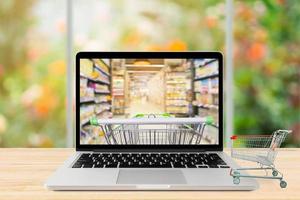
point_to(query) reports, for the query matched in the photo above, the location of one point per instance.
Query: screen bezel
(145, 148)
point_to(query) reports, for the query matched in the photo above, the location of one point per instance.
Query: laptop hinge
(145, 150)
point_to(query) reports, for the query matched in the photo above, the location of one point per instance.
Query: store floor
(143, 107)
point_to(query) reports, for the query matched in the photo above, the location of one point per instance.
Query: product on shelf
(105, 114)
(215, 99)
(206, 88)
(83, 82)
(86, 67)
(99, 88)
(91, 135)
(176, 92)
(100, 76)
(204, 98)
(119, 106)
(95, 98)
(102, 64)
(118, 86)
(201, 86)
(99, 108)
(214, 89)
(86, 112)
(99, 98)
(207, 70)
(200, 62)
(86, 93)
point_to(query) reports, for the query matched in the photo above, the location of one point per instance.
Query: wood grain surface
(23, 172)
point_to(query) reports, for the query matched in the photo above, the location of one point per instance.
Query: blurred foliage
(267, 64)
(32, 64)
(32, 80)
(173, 25)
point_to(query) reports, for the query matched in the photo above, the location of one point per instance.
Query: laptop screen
(169, 101)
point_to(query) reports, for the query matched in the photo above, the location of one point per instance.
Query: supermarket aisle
(144, 107)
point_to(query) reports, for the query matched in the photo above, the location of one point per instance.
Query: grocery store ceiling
(152, 61)
(144, 64)
(144, 76)
(144, 68)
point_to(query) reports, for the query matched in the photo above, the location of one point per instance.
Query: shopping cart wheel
(283, 184)
(275, 173)
(236, 180)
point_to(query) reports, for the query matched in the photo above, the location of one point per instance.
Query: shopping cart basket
(153, 129)
(261, 149)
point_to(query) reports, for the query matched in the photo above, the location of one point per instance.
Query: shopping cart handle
(93, 121)
(197, 120)
(209, 120)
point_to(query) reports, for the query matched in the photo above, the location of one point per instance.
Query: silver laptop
(148, 121)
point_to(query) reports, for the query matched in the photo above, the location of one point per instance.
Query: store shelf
(202, 92)
(85, 121)
(174, 98)
(176, 105)
(205, 63)
(95, 96)
(105, 73)
(106, 114)
(101, 91)
(101, 111)
(101, 102)
(206, 77)
(106, 62)
(178, 114)
(94, 80)
(99, 81)
(176, 87)
(209, 106)
(205, 88)
(86, 99)
(84, 76)
(118, 93)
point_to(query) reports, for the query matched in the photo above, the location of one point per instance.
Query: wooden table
(23, 172)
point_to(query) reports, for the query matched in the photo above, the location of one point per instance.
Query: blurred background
(33, 57)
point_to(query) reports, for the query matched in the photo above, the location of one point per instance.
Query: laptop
(148, 121)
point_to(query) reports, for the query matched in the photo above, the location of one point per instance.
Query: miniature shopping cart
(260, 149)
(153, 129)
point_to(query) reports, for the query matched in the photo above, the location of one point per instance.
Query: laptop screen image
(169, 101)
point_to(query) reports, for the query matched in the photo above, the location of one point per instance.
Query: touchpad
(150, 176)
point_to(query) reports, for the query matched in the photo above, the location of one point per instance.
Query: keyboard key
(191, 166)
(77, 165)
(224, 167)
(149, 160)
(87, 166)
(213, 166)
(202, 166)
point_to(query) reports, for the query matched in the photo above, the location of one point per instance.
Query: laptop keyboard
(150, 160)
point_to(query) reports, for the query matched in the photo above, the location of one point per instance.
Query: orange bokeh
(154, 47)
(211, 21)
(256, 52)
(133, 39)
(57, 67)
(46, 102)
(176, 45)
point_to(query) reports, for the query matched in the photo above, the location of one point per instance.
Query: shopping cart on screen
(261, 149)
(153, 129)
